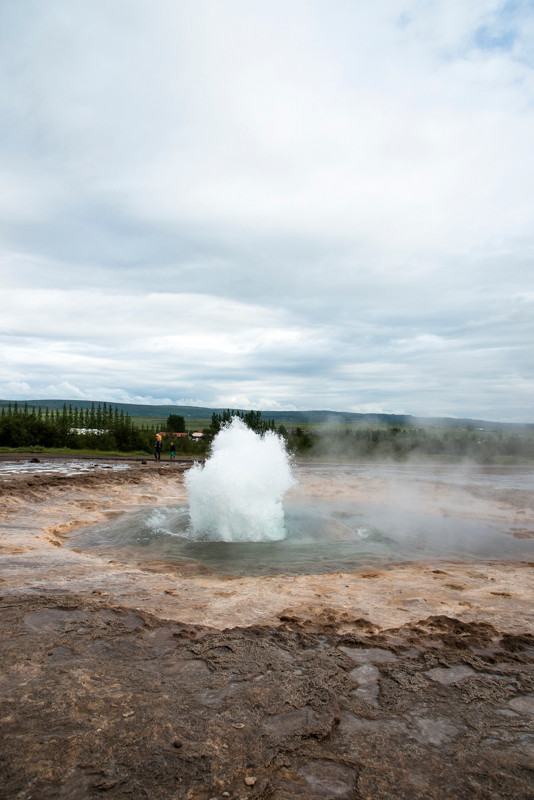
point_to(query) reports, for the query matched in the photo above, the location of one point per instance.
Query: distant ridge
(285, 417)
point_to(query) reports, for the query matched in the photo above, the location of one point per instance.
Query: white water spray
(237, 495)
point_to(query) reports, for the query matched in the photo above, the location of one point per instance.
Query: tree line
(402, 443)
(252, 420)
(104, 427)
(100, 427)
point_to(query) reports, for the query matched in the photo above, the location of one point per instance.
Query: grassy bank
(82, 453)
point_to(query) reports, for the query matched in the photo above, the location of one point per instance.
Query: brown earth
(129, 680)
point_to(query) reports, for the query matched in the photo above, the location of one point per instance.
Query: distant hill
(336, 418)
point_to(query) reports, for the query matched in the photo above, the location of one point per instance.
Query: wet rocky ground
(132, 680)
(99, 700)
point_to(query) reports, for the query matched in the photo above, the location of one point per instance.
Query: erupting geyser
(237, 495)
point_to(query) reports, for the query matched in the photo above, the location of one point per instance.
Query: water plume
(236, 496)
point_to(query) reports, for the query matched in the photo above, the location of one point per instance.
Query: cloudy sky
(320, 204)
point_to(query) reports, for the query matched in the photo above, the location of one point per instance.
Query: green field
(76, 453)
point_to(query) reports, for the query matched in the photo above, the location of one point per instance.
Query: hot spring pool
(250, 512)
(321, 536)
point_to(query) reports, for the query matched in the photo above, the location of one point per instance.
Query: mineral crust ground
(127, 679)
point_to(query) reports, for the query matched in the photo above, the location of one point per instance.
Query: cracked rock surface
(99, 700)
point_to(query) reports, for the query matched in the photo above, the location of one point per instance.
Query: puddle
(435, 731)
(330, 780)
(52, 619)
(362, 655)
(302, 721)
(59, 467)
(524, 704)
(450, 675)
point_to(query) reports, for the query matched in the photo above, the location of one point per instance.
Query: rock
(250, 780)
(34, 461)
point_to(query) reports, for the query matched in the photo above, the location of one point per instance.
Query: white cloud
(290, 205)
(16, 389)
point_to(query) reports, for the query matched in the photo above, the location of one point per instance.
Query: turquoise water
(320, 537)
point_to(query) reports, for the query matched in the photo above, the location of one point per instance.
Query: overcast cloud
(270, 205)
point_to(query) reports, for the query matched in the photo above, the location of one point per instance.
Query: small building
(89, 430)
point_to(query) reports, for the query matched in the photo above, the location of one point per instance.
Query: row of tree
(103, 427)
(252, 420)
(403, 443)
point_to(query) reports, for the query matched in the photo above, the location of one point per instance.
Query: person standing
(172, 451)
(157, 447)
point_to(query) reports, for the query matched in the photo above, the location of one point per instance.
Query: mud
(127, 680)
(99, 700)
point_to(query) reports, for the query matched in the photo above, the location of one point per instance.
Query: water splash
(237, 495)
